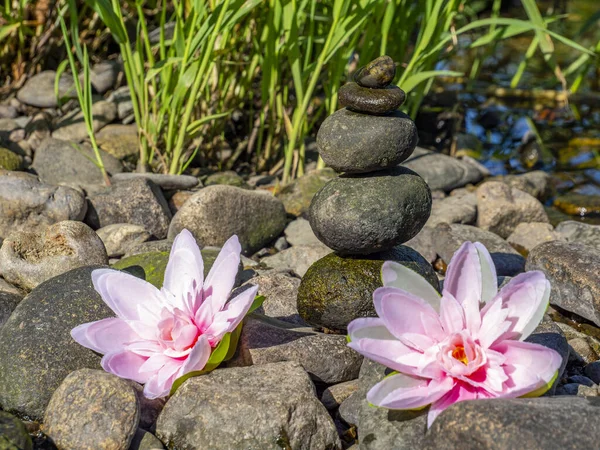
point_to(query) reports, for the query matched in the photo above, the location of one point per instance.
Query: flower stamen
(459, 354)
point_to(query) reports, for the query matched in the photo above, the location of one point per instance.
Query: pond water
(532, 128)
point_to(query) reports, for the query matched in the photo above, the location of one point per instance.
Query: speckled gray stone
(362, 214)
(356, 143)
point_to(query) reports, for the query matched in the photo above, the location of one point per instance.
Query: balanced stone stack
(370, 209)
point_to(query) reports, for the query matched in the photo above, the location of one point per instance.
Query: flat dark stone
(371, 101)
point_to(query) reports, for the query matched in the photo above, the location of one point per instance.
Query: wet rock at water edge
(39, 90)
(92, 409)
(578, 204)
(118, 237)
(216, 213)
(30, 258)
(536, 423)
(355, 143)
(26, 203)
(379, 73)
(501, 208)
(13, 434)
(336, 290)
(326, 357)
(572, 270)
(447, 239)
(270, 406)
(57, 161)
(371, 101)
(137, 201)
(36, 348)
(297, 195)
(362, 214)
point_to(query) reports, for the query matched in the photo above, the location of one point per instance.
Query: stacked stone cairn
(373, 207)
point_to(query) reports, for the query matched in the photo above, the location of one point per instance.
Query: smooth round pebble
(371, 101)
(377, 74)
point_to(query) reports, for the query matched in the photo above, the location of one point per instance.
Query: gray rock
(371, 101)
(8, 112)
(38, 129)
(121, 141)
(573, 270)
(165, 182)
(537, 423)
(448, 238)
(299, 232)
(580, 379)
(30, 258)
(423, 244)
(297, 195)
(336, 290)
(13, 434)
(334, 395)
(298, 258)
(381, 428)
(144, 440)
(361, 214)
(8, 303)
(592, 370)
(138, 202)
(104, 75)
(582, 233)
(501, 208)
(535, 183)
(348, 410)
(57, 161)
(527, 236)
(118, 237)
(444, 172)
(582, 351)
(280, 290)
(36, 348)
(72, 127)
(122, 98)
(270, 406)
(355, 143)
(326, 357)
(377, 74)
(163, 245)
(216, 213)
(26, 203)
(454, 209)
(281, 244)
(72, 419)
(39, 89)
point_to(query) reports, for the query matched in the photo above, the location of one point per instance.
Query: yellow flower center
(459, 354)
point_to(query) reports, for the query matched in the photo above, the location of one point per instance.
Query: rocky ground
(293, 383)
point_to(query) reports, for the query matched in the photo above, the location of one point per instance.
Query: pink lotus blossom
(161, 335)
(466, 344)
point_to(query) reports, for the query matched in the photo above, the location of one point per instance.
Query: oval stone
(356, 143)
(337, 290)
(371, 101)
(377, 74)
(361, 214)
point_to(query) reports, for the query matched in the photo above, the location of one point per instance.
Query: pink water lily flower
(161, 335)
(467, 344)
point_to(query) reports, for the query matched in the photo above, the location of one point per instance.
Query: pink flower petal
(125, 364)
(403, 315)
(154, 363)
(153, 389)
(489, 278)
(528, 366)
(185, 268)
(459, 393)
(105, 335)
(396, 275)
(452, 315)
(464, 281)
(393, 354)
(234, 312)
(221, 278)
(198, 358)
(400, 391)
(526, 298)
(493, 324)
(123, 293)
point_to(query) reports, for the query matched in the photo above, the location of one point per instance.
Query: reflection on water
(533, 128)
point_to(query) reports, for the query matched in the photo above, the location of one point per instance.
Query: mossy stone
(9, 160)
(151, 266)
(13, 434)
(337, 290)
(296, 196)
(228, 177)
